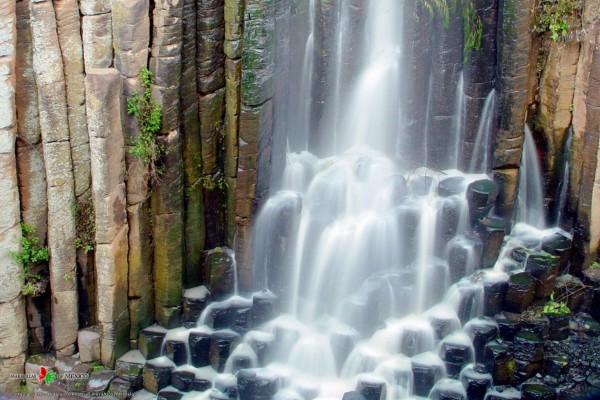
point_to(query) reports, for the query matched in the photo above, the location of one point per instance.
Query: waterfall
(563, 187)
(479, 157)
(459, 119)
(530, 199)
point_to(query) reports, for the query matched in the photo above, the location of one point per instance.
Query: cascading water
(379, 268)
(531, 208)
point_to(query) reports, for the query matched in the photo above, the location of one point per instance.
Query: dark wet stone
(169, 394)
(537, 391)
(176, 351)
(455, 185)
(493, 297)
(481, 196)
(558, 245)
(194, 302)
(424, 377)
(519, 255)
(491, 232)
(572, 290)
(99, 381)
(559, 328)
(595, 304)
(222, 344)
(481, 333)
(499, 362)
(157, 375)
(502, 393)
(476, 381)
(508, 328)
(150, 341)
(255, 386)
(218, 265)
(555, 365)
(544, 268)
(538, 325)
(354, 395)
(455, 356)
(183, 380)
(264, 307)
(371, 388)
(528, 346)
(464, 256)
(199, 343)
(442, 326)
(519, 293)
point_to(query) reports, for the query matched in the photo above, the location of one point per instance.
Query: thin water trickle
(531, 209)
(479, 158)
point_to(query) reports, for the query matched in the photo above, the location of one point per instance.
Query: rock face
(103, 87)
(512, 85)
(52, 103)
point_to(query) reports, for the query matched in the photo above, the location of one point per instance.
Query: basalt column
(417, 47)
(131, 37)
(96, 32)
(167, 196)
(479, 73)
(13, 327)
(103, 88)
(584, 193)
(69, 37)
(512, 86)
(446, 65)
(31, 170)
(234, 16)
(256, 131)
(190, 129)
(54, 124)
(211, 91)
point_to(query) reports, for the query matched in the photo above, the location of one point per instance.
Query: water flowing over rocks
(353, 201)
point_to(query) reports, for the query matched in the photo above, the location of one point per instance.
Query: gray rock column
(131, 38)
(52, 103)
(96, 32)
(13, 326)
(167, 196)
(31, 170)
(512, 86)
(584, 192)
(194, 234)
(103, 88)
(256, 123)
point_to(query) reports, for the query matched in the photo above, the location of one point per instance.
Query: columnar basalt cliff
(126, 239)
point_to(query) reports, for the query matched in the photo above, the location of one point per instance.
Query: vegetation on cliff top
(558, 17)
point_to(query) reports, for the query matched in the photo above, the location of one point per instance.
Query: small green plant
(146, 146)
(558, 17)
(23, 389)
(69, 276)
(209, 183)
(553, 307)
(571, 107)
(595, 265)
(31, 254)
(97, 367)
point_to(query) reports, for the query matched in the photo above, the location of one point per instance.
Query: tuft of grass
(558, 18)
